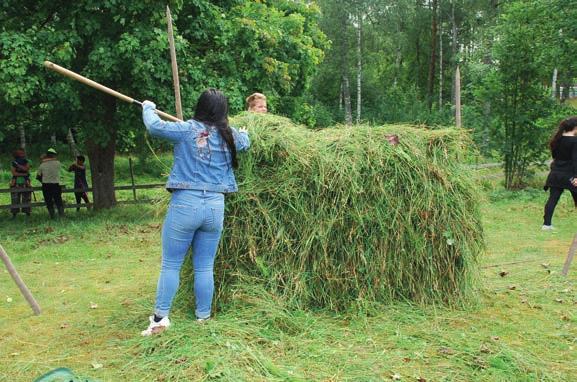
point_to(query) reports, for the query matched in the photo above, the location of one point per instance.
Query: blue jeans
(193, 218)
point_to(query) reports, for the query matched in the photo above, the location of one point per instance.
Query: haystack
(331, 217)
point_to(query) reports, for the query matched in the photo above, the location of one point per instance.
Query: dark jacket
(564, 165)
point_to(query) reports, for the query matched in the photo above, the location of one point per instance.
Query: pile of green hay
(331, 217)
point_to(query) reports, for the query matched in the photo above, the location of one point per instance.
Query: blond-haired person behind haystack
(256, 103)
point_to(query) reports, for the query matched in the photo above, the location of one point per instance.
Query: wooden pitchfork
(75, 76)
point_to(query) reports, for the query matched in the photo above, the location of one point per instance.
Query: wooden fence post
(132, 177)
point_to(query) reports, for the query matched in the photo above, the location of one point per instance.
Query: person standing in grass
(256, 103)
(20, 179)
(563, 174)
(80, 182)
(49, 175)
(205, 154)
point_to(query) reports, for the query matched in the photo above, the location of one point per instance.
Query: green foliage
(396, 55)
(237, 46)
(522, 114)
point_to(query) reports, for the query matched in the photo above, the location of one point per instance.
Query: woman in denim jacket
(204, 158)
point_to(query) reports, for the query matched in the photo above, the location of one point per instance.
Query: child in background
(80, 182)
(256, 103)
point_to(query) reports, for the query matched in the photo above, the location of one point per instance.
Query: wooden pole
(16, 277)
(175, 78)
(132, 177)
(77, 77)
(570, 257)
(458, 98)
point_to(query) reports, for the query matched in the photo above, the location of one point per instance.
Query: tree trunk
(102, 161)
(486, 132)
(458, 98)
(344, 65)
(341, 98)
(554, 85)
(566, 88)
(22, 132)
(431, 83)
(53, 139)
(347, 98)
(417, 75)
(359, 67)
(440, 64)
(453, 45)
(72, 143)
(398, 59)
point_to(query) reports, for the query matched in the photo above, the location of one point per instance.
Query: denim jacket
(201, 159)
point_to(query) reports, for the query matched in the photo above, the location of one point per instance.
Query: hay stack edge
(327, 218)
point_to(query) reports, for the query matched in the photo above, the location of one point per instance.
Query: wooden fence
(132, 187)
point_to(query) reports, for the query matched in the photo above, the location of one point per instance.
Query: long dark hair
(212, 109)
(566, 125)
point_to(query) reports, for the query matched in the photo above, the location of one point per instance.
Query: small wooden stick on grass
(570, 257)
(16, 277)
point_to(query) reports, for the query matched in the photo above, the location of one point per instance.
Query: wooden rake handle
(86, 81)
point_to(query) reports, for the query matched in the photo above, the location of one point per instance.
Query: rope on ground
(512, 263)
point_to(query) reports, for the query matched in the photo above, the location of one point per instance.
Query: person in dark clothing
(80, 182)
(49, 175)
(563, 174)
(20, 179)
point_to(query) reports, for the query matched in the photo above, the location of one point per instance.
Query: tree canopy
(237, 46)
(319, 62)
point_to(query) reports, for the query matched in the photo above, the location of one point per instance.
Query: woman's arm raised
(173, 131)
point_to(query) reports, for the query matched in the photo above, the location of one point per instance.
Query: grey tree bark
(433, 60)
(72, 143)
(458, 122)
(554, 84)
(347, 99)
(22, 132)
(359, 66)
(440, 63)
(454, 43)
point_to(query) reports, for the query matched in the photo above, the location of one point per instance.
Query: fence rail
(132, 187)
(89, 189)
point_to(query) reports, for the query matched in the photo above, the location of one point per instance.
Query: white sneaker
(156, 327)
(202, 320)
(547, 228)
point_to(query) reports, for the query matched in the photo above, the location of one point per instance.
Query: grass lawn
(95, 274)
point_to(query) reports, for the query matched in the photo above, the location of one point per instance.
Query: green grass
(524, 327)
